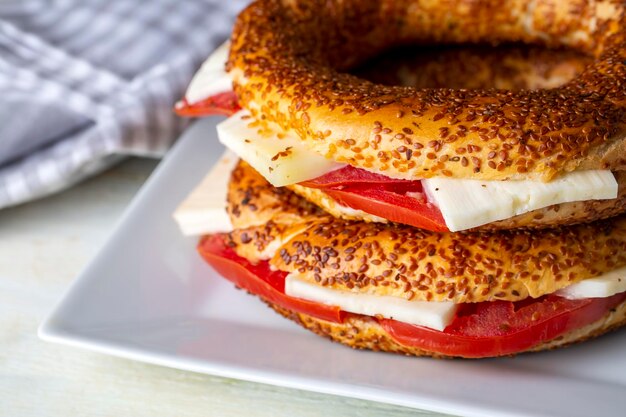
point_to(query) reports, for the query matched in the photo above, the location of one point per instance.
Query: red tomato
(259, 279)
(399, 208)
(219, 104)
(381, 196)
(350, 176)
(504, 328)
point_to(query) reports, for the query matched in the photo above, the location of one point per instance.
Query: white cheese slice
(603, 286)
(204, 210)
(470, 203)
(212, 77)
(435, 315)
(281, 158)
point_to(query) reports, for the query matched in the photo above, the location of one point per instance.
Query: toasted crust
(461, 267)
(362, 332)
(287, 58)
(252, 201)
(548, 217)
(403, 261)
(264, 217)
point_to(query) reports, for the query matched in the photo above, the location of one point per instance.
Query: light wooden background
(43, 246)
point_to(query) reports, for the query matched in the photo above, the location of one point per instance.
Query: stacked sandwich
(427, 221)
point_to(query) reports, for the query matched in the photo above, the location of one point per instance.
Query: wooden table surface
(43, 247)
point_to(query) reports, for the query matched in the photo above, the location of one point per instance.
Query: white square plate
(148, 296)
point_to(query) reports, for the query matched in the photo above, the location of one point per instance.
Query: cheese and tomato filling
(203, 211)
(436, 315)
(431, 314)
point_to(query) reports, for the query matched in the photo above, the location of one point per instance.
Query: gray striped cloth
(85, 82)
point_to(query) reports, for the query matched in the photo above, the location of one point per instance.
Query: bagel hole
(508, 66)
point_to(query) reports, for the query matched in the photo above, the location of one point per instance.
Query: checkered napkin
(85, 82)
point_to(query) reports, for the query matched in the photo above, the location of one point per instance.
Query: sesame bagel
(402, 261)
(288, 60)
(363, 332)
(552, 216)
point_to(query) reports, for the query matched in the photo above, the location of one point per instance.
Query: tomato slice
(351, 176)
(225, 103)
(399, 208)
(503, 328)
(400, 201)
(260, 279)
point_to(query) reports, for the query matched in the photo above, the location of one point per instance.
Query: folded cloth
(85, 82)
